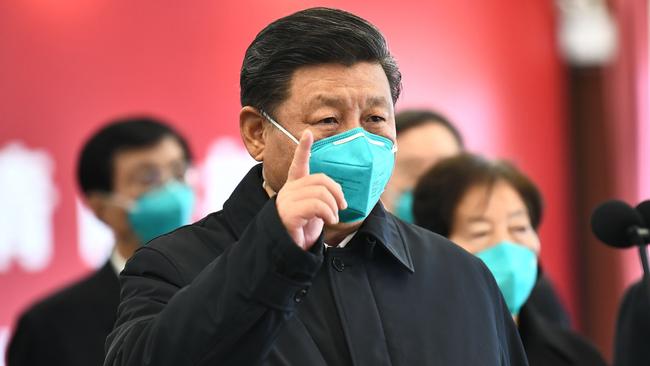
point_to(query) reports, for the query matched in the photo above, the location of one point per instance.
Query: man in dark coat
(126, 162)
(633, 326)
(70, 326)
(303, 266)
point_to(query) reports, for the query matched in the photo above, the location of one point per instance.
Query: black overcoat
(234, 289)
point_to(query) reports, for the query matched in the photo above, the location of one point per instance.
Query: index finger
(300, 164)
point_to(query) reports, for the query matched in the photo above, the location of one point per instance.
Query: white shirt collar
(343, 242)
(268, 189)
(117, 261)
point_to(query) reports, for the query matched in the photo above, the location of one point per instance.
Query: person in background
(423, 137)
(131, 174)
(633, 327)
(493, 211)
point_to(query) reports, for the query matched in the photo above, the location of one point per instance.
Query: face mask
(404, 206)
(361, 162)
(514, 268)
(161, 210)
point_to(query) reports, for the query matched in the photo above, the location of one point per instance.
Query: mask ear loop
(282, 129)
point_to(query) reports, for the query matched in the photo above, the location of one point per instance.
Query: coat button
(371, 240)
(300, 295)
(338, 264)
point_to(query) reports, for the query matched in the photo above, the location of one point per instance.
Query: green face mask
(514, 268)
(361, 162)
(161, 210)
(404, 206)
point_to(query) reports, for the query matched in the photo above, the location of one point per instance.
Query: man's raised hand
(308, 201)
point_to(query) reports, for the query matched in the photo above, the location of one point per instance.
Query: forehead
(496, 201)
(430, 139)
(331, 84)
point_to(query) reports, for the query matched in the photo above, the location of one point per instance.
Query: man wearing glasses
(132, 176)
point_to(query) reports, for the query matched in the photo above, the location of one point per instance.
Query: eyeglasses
(149, 176)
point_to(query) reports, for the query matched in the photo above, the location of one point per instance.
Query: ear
(96, 201)
(251, 127)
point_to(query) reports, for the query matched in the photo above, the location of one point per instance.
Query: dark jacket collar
(246, 201)
(382, 226)
(249, 197)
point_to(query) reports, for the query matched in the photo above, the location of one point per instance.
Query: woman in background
(493, 211)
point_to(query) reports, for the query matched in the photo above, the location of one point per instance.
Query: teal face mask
(161, 210)
(404, 206)
(361, 162)
(515, 270)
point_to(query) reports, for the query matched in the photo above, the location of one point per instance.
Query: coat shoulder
(191, 247)
(548, 343)
(90, 292)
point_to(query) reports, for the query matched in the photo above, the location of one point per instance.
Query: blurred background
(560, 88)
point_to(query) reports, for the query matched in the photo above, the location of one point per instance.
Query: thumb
(300, 164)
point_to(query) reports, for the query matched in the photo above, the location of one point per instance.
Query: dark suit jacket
(549, 344)
(632, 343)
(234, 289)
(547, 303)
(70, 327)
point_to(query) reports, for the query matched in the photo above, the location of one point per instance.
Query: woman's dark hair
(440, 190)
(95, 165)
(310, 37)
(411, 118)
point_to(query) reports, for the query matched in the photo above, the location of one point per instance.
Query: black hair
(410, 118)
(310, 37)
(95, 165)
(441, 189)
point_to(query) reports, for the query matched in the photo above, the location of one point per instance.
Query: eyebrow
(148, 166)
(519, 212)
(475, 219)
(143, 166)
(377, 102)
(141, 169)
(335, 102)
